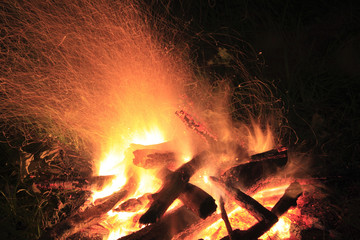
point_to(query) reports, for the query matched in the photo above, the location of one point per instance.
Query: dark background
(310, 52)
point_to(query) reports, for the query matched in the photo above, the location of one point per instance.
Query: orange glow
(241, 219)
(117, 163)
(260, 140)
(98, 76)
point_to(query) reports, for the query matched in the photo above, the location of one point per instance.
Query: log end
(207, 208)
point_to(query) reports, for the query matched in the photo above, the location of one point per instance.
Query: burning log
(91, 215)
(225, 218)
(171, 224)
(133, 204)
(84, 184)
(152, 158)
(193, 197)
(262, 166)
(288, 200)
(174, 184)
(198, 201)
(245, 201)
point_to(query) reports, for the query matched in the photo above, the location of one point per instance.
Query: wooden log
(245, 201)
(153, 158)
(91, 215)
(78, 183)
(258, 169)
(198, 201)
(225, 218)
(172, 187)
(174, 222)
(193, 197)
(288, 200)
(134, 204)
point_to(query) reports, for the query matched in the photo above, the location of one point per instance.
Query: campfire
(188, 198)
(170, 161)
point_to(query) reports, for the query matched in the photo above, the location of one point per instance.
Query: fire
(241, 219)
(98, 76)
(118, 163)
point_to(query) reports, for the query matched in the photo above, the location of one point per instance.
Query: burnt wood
(89, 216)
(261, 166)
(174, 222)
(153, 158)
(174, 184)
(288, 200)
(245, 201)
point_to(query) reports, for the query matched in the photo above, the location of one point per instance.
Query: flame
(241, 219)
(260, 140)
(116, 162)
(97, 75)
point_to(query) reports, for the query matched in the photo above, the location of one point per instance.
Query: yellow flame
(280, 229)
(260, 140)
(116, 162)
(152, 136)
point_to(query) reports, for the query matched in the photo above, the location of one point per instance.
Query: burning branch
(288, 200)
(171, 224)
(196, 126)
(81, 220)
(225, 217)
(245, 201)
(90, 183)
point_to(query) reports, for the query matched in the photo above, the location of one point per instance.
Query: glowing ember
(241, 219)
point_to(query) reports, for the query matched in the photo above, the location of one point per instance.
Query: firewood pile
(237, 184)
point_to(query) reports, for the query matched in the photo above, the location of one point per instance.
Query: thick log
(288, 200)
(172, 187)
(261, 166)
(172, 223)
(198, 201)
(134, 204)
(84, 184)
(193, 197)
(91, 215)
(153, 158)
(245, 201)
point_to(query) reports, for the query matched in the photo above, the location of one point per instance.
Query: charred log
(245, 201)
(288, 200)
(171, 224)
(198, 201)
(262, 166)
(173, 186)
(193, 197)
(78, 183)
(91, 215)
(152, 158)
(225, 218)
(134, 204)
